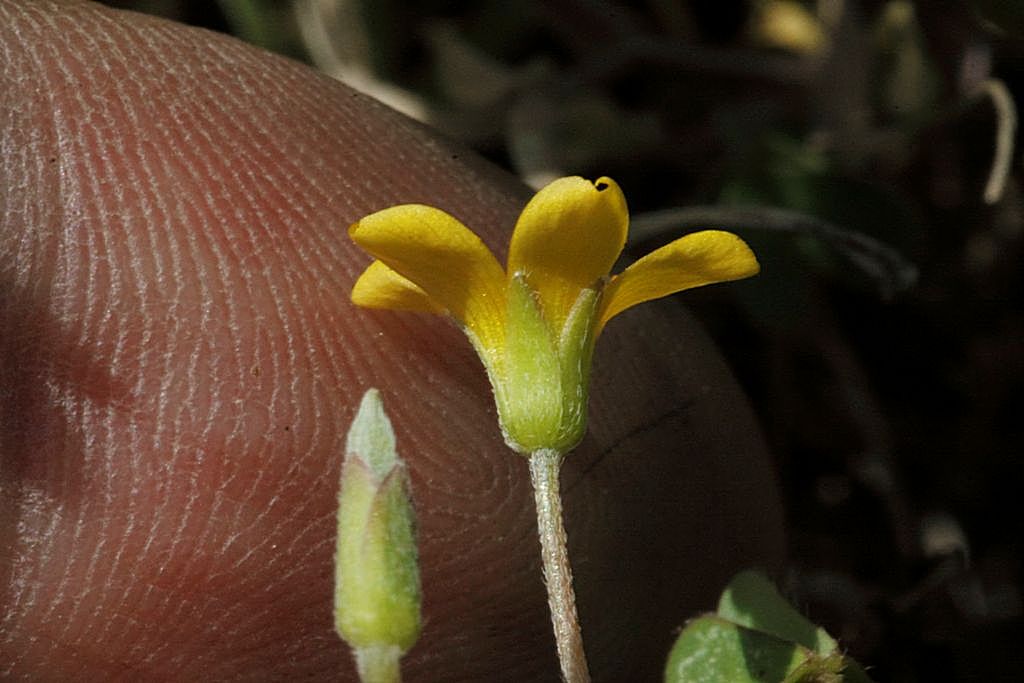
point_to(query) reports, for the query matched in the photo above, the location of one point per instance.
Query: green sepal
(575, 352)
(541, 389)
(371, 436)
(529, 396)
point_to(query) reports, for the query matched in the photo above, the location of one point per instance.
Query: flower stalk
(379, 663)
(544, 468)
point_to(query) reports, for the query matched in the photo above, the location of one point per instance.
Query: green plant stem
(379, 664)
(544, 468)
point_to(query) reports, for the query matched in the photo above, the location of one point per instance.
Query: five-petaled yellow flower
(534, 323)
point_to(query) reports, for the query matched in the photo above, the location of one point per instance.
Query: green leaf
(757, 637)
(751, 600)
(713, 649)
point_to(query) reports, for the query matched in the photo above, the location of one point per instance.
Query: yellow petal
(567, 238)
(381, 287)
(443, 258)
(691, 261)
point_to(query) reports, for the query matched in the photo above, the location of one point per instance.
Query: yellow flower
(534, 323)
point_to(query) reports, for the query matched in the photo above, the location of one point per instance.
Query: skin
(179, 362)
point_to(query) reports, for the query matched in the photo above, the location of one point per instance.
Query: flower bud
(377, 584)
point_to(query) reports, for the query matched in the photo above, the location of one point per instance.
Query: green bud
(377, 584)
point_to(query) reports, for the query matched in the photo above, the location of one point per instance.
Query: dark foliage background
(881, 346)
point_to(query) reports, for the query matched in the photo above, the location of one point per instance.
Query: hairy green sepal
(541, 386)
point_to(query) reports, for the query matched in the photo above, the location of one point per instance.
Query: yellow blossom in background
(534, 322)
(788, 25)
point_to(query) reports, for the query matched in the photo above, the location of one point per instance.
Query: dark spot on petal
(601, 186)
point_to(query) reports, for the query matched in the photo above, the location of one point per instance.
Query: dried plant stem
(544, 467)
(1006, 128)
(891, 272)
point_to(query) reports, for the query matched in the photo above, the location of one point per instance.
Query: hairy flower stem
(544, 467)
(378, 664)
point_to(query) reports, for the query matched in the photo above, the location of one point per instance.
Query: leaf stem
(544, 468)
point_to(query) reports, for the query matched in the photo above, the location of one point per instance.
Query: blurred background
(866, 150)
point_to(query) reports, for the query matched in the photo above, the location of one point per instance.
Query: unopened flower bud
(377, 585)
